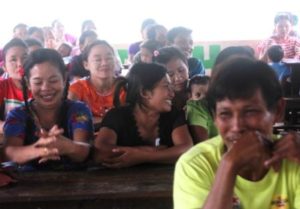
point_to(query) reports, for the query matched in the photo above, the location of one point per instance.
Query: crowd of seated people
(64, 106)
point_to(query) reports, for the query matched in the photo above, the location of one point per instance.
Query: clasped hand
(49, 144)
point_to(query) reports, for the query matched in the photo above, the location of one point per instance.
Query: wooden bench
(141, 187)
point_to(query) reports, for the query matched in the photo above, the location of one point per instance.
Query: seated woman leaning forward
(246, 166)
(148, 129)
(49, 132)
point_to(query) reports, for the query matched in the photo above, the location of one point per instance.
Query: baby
(197, 87)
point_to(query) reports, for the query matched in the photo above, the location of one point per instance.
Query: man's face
(185, 43)
(233, 118)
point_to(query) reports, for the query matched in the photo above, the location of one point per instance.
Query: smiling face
(47, 85)
(160, 98)
(14, 60)
(100, 62)
(235, 117)
(185, 43)
(178, 72)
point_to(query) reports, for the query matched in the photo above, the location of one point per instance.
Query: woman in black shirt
(148, 128)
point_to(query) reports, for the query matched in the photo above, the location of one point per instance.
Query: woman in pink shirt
(290, 44)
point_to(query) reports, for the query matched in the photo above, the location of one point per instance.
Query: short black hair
(20, 25)
(152, 30)
(240, 78)
(33, 42)
(34, 29)
(275, 53)
(174, 32)
(166, 54)
(198, 80)
(15, 42)
(151, 45)
(147, 22)
(86, 34)
(230, 51)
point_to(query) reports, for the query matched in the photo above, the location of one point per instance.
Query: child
(76, 68)
(197, 87)
(49, 131)
(97, 89)
(275, 54)
(64, 50)
(14, 53)
(147, 51)
(199, 116)
(33, 44)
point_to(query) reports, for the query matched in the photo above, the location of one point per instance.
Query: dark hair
(284, 16)
(166, 54)
(88, 49)
(230, 51)
(199, 80)
(174, 32)
(34, 29)
(56, 21)
(85, 35)
(147, 22)
(142, 76)
(20, 25)
(85, 23)
(67, 45)
(15, 42)
(33, 42)
(275, 53)
(240, 77)
(151, 45)
(152, 31)
(40, 56)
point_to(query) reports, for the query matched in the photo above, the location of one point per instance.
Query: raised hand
(247, 149)
(288, 147)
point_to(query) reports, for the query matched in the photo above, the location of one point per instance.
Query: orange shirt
(98, 103)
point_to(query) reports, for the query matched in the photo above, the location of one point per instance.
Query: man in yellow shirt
(245, 166)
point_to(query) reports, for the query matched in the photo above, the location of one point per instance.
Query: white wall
(119, 21)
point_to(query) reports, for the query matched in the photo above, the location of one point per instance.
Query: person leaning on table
(246, 166)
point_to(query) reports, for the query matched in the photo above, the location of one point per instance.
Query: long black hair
(53, 57)
(141, 77)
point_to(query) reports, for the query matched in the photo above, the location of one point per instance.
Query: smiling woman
(148, 129)
(209, 20)
(49, 132)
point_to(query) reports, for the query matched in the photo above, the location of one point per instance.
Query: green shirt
(195, 173)
(198, 114)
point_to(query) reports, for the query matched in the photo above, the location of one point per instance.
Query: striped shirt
(290, 46)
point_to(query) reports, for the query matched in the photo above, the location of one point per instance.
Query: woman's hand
(50, 145)
(125, 157)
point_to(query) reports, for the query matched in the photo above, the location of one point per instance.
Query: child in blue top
(275, 54)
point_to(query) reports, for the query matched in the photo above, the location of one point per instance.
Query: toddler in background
(275, 55)
(147, 51)
(197, 87)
